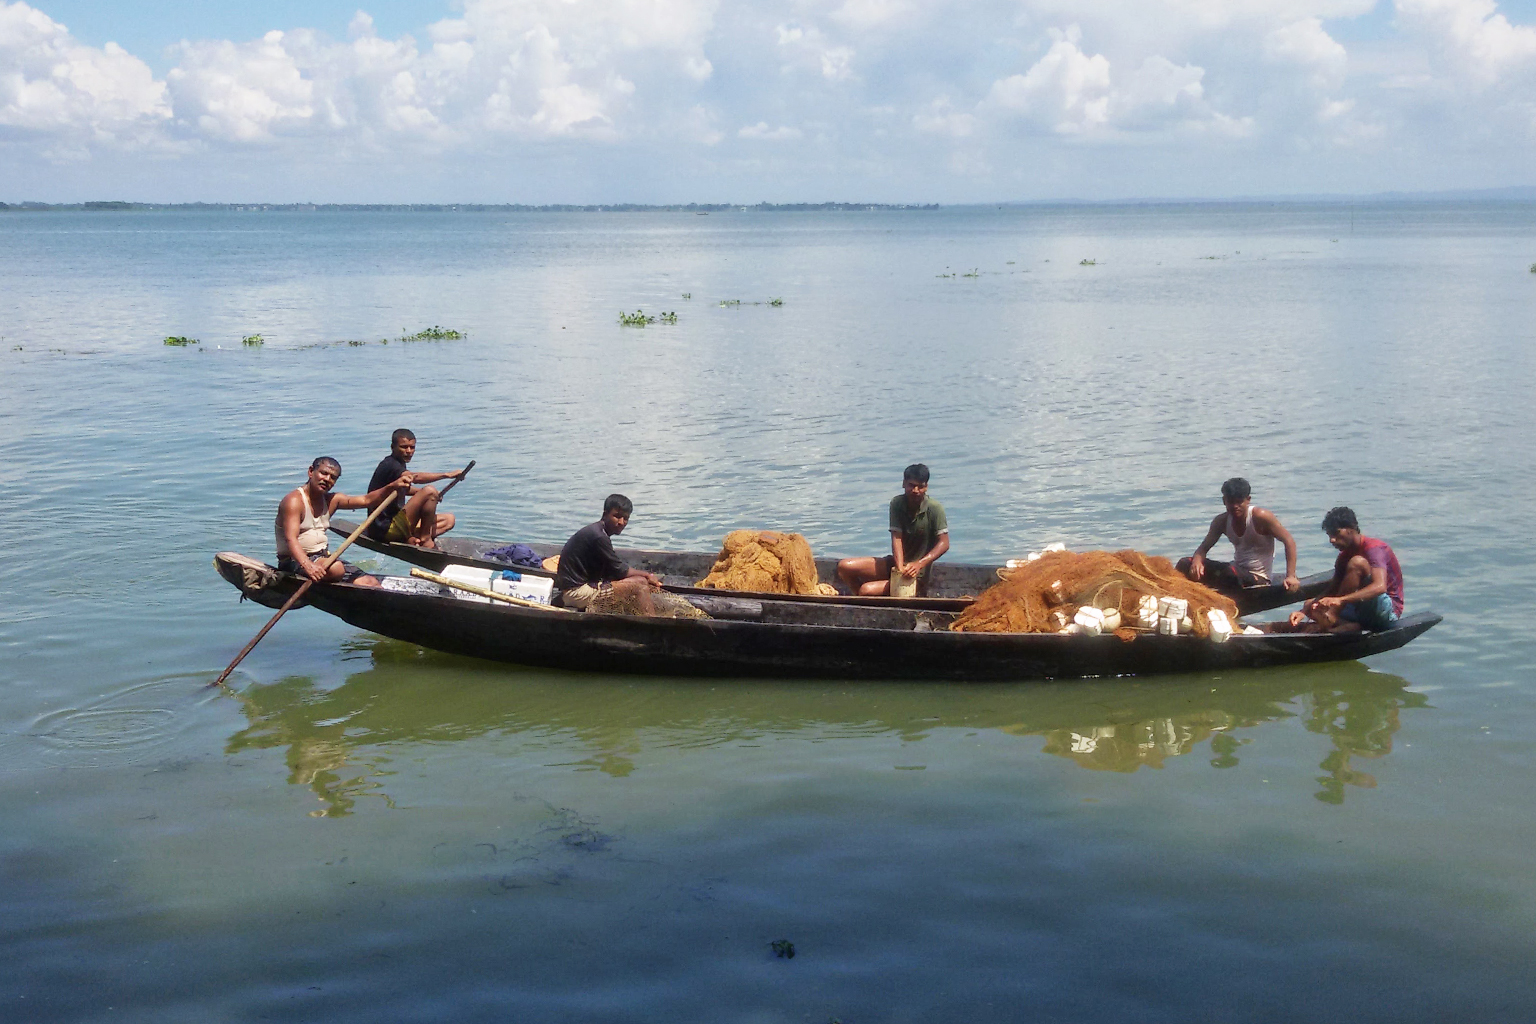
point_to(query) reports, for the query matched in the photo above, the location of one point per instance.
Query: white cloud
(1481, 41)
(762, 131)
(50, 83)
(1072, 93)
(1306, 43)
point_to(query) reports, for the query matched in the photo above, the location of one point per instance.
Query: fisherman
(1367, 590)
(413, 518)
(919, 537)
(302, 532)
(589, 569)
(1253, 532)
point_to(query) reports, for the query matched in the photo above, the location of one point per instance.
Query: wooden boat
(788, 638)
(951, 585)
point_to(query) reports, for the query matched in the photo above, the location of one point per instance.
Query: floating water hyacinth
(1087, 263)
(180, 342)
(435, 333)
(253, 341)
(639, 318)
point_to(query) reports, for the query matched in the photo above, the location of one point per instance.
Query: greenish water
(364, 830)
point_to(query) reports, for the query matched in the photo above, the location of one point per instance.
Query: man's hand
(911, 570)
(1292, 584)
(1329, 602)
(403, 483)
(313, 571)
(653, 580)
(458, 475)
(1197, 567)
(1297, 618)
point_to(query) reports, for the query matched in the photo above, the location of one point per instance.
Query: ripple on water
(126, 726)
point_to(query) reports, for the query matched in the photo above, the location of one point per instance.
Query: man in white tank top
(304, 517)
(1253, 532)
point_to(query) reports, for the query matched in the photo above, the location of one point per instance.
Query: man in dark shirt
(590, 569)
(414, 518)
(1367, 591)
(919, 537)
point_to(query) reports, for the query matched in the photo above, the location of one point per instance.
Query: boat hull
(805, 640)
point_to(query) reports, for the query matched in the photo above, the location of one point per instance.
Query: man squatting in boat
(1367, 591)
(590, 569)
(1253, 532)
(919, 537)
(415, 521)
(302, 535)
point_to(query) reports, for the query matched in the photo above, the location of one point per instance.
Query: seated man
(589, 568)
(414, 519)
(1253, 532)
(302, 531)
(1367, 591)
(919, 537)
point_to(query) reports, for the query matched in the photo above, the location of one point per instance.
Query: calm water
(368, 831)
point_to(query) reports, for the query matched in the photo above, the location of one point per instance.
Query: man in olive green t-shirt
(919, 537)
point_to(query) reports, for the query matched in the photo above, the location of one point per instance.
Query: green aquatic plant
(775, 302)
(435, 333)
(180, 342)
(355, 344)
(973, 272)
(688, 296)
(730, 302)
(783, 948)
(1533, 268)
(1087, 263)
(253, 341)
(639, 318)
(943, 275)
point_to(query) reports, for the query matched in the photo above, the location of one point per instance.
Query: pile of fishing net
(664, 605)
(765, 561)
(1043, 595)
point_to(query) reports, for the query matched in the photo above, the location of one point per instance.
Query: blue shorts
(1376, 613)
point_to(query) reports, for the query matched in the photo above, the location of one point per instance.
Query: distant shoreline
(1519, 194)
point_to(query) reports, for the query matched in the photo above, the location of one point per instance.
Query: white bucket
(901, 586)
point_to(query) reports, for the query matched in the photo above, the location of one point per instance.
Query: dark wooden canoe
(951, 585)
(794, 639)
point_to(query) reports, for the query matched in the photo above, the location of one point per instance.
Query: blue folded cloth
(517, 554)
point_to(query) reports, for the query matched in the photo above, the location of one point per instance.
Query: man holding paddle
(304, 517)
(414, 518)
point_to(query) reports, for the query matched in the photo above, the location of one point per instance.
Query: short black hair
(618, 501)
(1235, 489)
(401, 435)
(326, 460)
(917, 473)
(1341, 517)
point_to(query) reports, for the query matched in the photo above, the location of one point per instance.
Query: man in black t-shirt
(414, 518)
(590, 569)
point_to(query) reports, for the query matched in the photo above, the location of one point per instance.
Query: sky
(662, 101)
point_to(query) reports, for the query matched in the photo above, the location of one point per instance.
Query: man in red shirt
(1367, 591)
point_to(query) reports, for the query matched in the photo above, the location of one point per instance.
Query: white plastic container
(1172, 607)
(1055, 594)
(902, 586)
(1167, 625)
(1146, 612)
(537, 589)
(1221, 629)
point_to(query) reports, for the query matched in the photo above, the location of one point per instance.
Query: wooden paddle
(304, 587)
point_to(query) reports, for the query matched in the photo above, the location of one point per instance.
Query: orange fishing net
(1064, 581)
(764, 560)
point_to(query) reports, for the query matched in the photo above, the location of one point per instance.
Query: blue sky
(787, 100)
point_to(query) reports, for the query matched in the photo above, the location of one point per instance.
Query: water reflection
(339, 741)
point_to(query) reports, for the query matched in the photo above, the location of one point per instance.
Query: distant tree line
(112, 205)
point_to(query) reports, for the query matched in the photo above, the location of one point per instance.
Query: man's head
(1342, 528)
(914, 483)
(402, 444)
(616, 512)
(324, 472)
(1235, 494)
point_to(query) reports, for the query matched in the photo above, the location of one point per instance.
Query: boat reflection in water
(1357, 709)
(341, 741)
